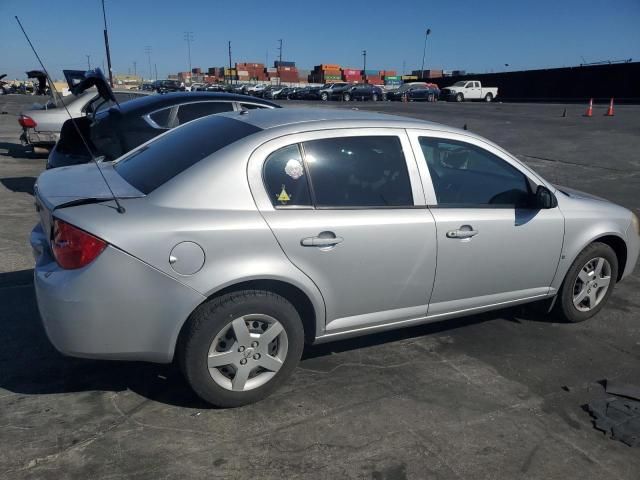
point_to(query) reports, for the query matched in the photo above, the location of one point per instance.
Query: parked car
(41, 125)
(165, 86)
(313, 225)
(333, 91)
(311, 93)
(415, 91)
(147, 87)
(273, 91)
(256, 90)
(112, 133)
(299, 93)
(214, 87)
(286, 93)
(469, 90)
(363, 91)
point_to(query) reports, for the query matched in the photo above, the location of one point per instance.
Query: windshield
(171, 154)
(460, 84)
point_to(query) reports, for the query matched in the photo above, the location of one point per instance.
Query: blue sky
(476, 36)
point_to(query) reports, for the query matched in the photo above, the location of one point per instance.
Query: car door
(347, 208)
(418, 93)
(493, 246)
(477, 91)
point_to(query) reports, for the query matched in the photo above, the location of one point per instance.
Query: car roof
(150, 103)
(328, 118)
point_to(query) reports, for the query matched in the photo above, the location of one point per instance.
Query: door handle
(324, 239)
(466, 231)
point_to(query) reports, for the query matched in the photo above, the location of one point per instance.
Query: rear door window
(286, 179)
(351, 172)
(162, 118)
(169, 155)
(191, 111)
(252, 106)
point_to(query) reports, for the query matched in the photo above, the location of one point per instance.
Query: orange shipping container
(329, 66)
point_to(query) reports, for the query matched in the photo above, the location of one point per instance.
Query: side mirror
(545, 199)
(101, 159)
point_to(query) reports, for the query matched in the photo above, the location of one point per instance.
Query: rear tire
(324, 97)
(221, 344)
(588, 284)
(374, 97)
(346, 97)
(488, 97)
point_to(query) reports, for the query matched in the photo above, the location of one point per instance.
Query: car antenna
(120, 208)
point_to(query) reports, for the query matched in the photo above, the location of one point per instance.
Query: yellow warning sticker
(283, 196)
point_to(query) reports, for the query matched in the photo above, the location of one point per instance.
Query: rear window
(161, 160)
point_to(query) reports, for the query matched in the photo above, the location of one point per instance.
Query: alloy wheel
(591, 284)
(247, 352)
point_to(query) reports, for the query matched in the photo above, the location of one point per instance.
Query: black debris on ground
(618, 416)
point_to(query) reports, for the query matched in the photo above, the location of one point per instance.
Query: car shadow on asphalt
(30, 365)
(17, 150)
(19, 184)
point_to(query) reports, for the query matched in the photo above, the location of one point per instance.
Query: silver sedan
(243, 235)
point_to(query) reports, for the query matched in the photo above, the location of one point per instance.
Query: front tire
(324, 97)
(346, 97)
(374, 97)
(459, 97)
(588, 283)
(238, 348)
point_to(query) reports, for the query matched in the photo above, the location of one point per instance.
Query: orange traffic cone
(610, 109)
(589, 112)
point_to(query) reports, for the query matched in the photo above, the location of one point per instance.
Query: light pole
(106, 44)
(88, 62)
(147, 50)
(188, 36)
(424, 51)
(280, 57)
(230, 72)
(364, 60)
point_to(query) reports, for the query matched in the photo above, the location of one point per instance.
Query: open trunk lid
(81, 80)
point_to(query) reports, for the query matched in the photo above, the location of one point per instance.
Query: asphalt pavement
(491, 396)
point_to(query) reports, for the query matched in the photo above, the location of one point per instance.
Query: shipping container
(278, 63)
(328, 66)
(409, 77)
(369, 72)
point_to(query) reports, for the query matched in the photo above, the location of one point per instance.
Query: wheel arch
(613, 239)
(619, 246)
(311, 310)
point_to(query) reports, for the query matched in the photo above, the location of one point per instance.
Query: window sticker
(294, 169)
(283, 197)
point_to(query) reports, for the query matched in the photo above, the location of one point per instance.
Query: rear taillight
(27, 122)
(74, 248)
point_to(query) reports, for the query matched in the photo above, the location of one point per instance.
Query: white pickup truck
(468, 90)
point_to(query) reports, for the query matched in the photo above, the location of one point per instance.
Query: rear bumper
(115, 308)
(31, 137)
